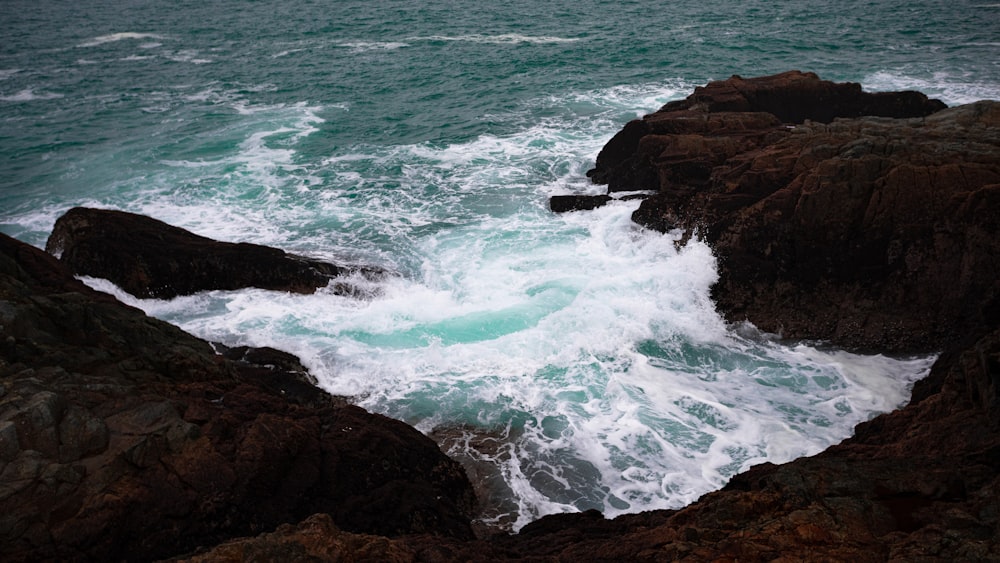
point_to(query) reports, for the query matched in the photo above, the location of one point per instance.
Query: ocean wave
(363, 46)
(287, 52)
(188, 56)
(29, 95)
(7, 73)
(950, 88)
(502, 39)
(113, 37)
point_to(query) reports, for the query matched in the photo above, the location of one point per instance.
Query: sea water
(570, 361)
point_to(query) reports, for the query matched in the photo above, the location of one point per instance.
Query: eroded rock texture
(122, 437)
(149, 258)
(872, 232)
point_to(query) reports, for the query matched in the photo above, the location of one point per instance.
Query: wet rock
(149, 258)
(872, 232)
(124, 438)
(742, 111)
(565, 203)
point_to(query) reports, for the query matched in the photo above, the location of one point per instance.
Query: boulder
(756, 107)
(565, 203)
(874, 232)
(151, 259)
(124, 438)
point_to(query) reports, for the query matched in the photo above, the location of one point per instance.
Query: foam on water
(30, 95)
(953, 89)
(121, 36)
(501, 39)
(583, 349)
(363, 46)
(585, 346)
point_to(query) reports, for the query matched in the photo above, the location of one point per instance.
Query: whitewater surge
(576, 357)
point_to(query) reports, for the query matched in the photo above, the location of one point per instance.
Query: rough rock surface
(149, 258)
(872, 232)
(122, 437)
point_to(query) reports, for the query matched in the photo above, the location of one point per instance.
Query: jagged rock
(314, 539)
(874, 233)
(122, 437)
(566, 203)
(756, 107)
(149, 258)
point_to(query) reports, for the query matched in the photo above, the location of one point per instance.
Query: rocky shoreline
(870, 221)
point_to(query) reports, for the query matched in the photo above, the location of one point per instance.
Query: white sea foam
(949, 88)
(30, 95)
(121, 36)
(187, 56)
(287, 52)
(586, 345)
(501, 39)
(363, 46)
(258, 170)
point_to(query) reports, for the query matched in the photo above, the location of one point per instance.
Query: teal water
(426, 138)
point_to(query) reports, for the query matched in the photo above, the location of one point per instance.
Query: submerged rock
(151, 259)
(124, 438)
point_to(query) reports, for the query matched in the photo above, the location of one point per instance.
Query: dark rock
(756, 108)
(149, 258)
(124, 438)
(565, 203)
(874, 233)
(794, 97)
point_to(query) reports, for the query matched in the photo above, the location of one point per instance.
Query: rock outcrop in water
(876, 233)
(149, 258)
(124, 438)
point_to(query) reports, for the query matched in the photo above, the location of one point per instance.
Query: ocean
(571, 361)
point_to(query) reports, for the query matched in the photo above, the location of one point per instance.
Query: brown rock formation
(122, 437)
(874, 233)
(149, 258)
